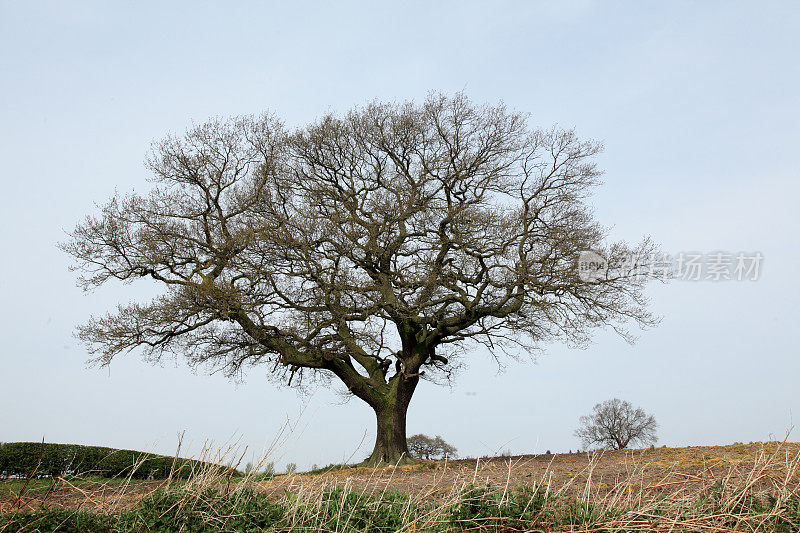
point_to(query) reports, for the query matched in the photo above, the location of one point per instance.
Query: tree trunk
(391, 447)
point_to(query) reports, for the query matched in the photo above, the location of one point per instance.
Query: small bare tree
(424, 447)
(616, 424)
(445, 450)
(370, 248)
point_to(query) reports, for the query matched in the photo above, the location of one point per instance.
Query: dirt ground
(648, 469)
(569, 473)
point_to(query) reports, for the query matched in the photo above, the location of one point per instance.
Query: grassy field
(741, 487)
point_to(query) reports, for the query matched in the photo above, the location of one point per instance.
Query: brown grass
(710, 488)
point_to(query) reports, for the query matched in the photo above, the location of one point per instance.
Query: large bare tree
(375, 248)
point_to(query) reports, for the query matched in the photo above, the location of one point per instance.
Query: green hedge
(20, 459)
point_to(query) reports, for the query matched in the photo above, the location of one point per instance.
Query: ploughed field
(629, 477)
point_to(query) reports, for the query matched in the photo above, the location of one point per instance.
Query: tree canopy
(374, 247)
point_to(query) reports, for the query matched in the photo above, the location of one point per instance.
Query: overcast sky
(697, 106)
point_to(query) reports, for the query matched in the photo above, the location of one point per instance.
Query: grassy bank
(752, 492)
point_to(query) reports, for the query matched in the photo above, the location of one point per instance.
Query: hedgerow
(21, 459)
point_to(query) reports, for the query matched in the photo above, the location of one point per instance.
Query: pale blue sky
(698, 108)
